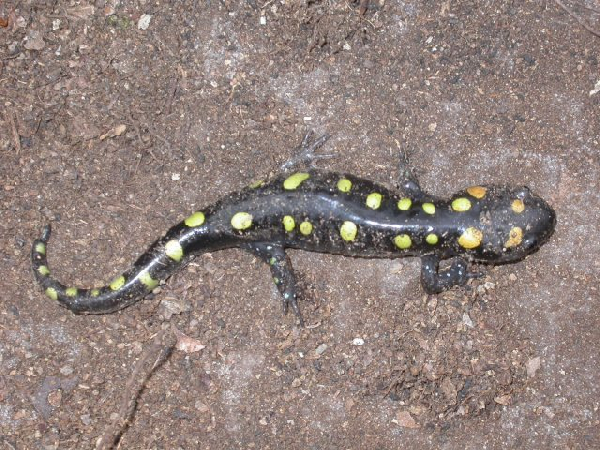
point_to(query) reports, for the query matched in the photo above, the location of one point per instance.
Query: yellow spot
(470, 238)
(348, 231)
(51, 292)
(431, 239)
(289, 223)
(40, 248)
(147, 280)
(461, 204)
(404, 204)
(344, 185)
(429, 208)
(272, 261)
(515, 237)
(71, 292)
(374, 200)
(295, 180)
(477, 191)
(117, 283)
(195, 220)
(95, 292)
(43, 270)
(306, 228)
(276, 280)
(257, 184)
(518, 206)
(241, 220)
(403, 241)
(173, 250)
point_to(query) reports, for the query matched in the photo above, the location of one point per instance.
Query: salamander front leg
(282, 272)
(408, 180)
(435, 281)
(306, 152)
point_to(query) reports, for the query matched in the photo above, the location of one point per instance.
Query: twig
(143, 146)
(589, 8)
(15, 133)
(364, 5)
(137, 128)
(154, 356)
(577, 18)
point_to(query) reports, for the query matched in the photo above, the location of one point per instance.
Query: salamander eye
(522, 192)
(530, 242)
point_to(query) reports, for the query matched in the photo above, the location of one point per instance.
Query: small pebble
(358, 341)
(549, 413)
(201, 407)
(144, 22)
(320, 349)
(55, 398)
(86, 419)
(66, 370)
(467, 320)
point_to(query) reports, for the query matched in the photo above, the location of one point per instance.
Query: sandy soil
(119, 119)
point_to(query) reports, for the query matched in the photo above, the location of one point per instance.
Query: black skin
(318, 200)
(433, 280)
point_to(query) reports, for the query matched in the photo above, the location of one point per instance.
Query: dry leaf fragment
(116, 131)
(187, 344)
(80, 12)
(34, 40)
(405, 420)
(503, 399)
(533, 365)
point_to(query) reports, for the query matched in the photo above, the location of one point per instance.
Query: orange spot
(477, 191)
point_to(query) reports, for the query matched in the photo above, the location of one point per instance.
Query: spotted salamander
(330, 213)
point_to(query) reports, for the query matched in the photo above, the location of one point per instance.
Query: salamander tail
(118, 294)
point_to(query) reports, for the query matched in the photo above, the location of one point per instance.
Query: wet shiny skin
(331, 213)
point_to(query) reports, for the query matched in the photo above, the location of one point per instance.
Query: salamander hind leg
(435, 281)
(282, 272)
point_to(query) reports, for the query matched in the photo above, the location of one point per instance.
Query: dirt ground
(118, 119)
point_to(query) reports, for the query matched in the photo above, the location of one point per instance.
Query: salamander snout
(514, 223)
(529, 222)
(540, 222)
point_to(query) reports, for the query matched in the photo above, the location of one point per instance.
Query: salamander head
(514, 223)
